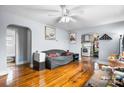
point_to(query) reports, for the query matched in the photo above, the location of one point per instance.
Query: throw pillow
(52, 55)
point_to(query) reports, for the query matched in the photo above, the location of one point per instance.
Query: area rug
(99, 79)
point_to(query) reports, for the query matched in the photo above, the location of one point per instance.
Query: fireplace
(86, 51)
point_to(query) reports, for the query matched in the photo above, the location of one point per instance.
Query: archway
(18, 43)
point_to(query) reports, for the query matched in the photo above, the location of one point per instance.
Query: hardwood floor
(74, 74)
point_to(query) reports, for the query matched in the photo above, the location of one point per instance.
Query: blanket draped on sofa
(52, 62)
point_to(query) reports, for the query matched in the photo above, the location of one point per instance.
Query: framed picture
(72, 37)
(50, 33)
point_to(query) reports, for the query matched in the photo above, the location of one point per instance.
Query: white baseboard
(22, 62)
(4, 72)
(31, 65)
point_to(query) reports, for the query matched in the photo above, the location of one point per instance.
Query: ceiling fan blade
(77, 15)
(41, 8)
(47, 12)
(76, 8)
(81, 7)
(57, 20)
(54, 14)
(77, 18)
(73, 20)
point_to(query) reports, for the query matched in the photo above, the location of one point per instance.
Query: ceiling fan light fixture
(65, 19)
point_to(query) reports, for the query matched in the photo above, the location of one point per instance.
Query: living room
(106, 21)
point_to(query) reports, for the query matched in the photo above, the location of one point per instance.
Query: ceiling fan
(68, 15)
(62, 13)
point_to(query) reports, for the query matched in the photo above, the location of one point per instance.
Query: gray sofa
(52, 62)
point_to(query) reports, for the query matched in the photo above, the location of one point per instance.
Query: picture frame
(50, 33)
(72, 37)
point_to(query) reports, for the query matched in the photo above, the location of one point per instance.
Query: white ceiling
(87, 15)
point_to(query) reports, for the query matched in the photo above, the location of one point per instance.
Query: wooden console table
(116, 63)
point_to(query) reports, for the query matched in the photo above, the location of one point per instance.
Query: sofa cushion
(52, 55)
(54, 51)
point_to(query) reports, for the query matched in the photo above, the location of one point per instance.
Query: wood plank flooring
(74, 74)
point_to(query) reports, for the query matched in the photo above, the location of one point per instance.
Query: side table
(39, 61)
(75, 57)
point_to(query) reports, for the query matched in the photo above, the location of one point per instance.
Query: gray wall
(11, 43)
(3, 64)
(106, 47)
(29, 47)
(22, 47)
(38, 36)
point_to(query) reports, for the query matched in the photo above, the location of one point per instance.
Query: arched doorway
(18, 43)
